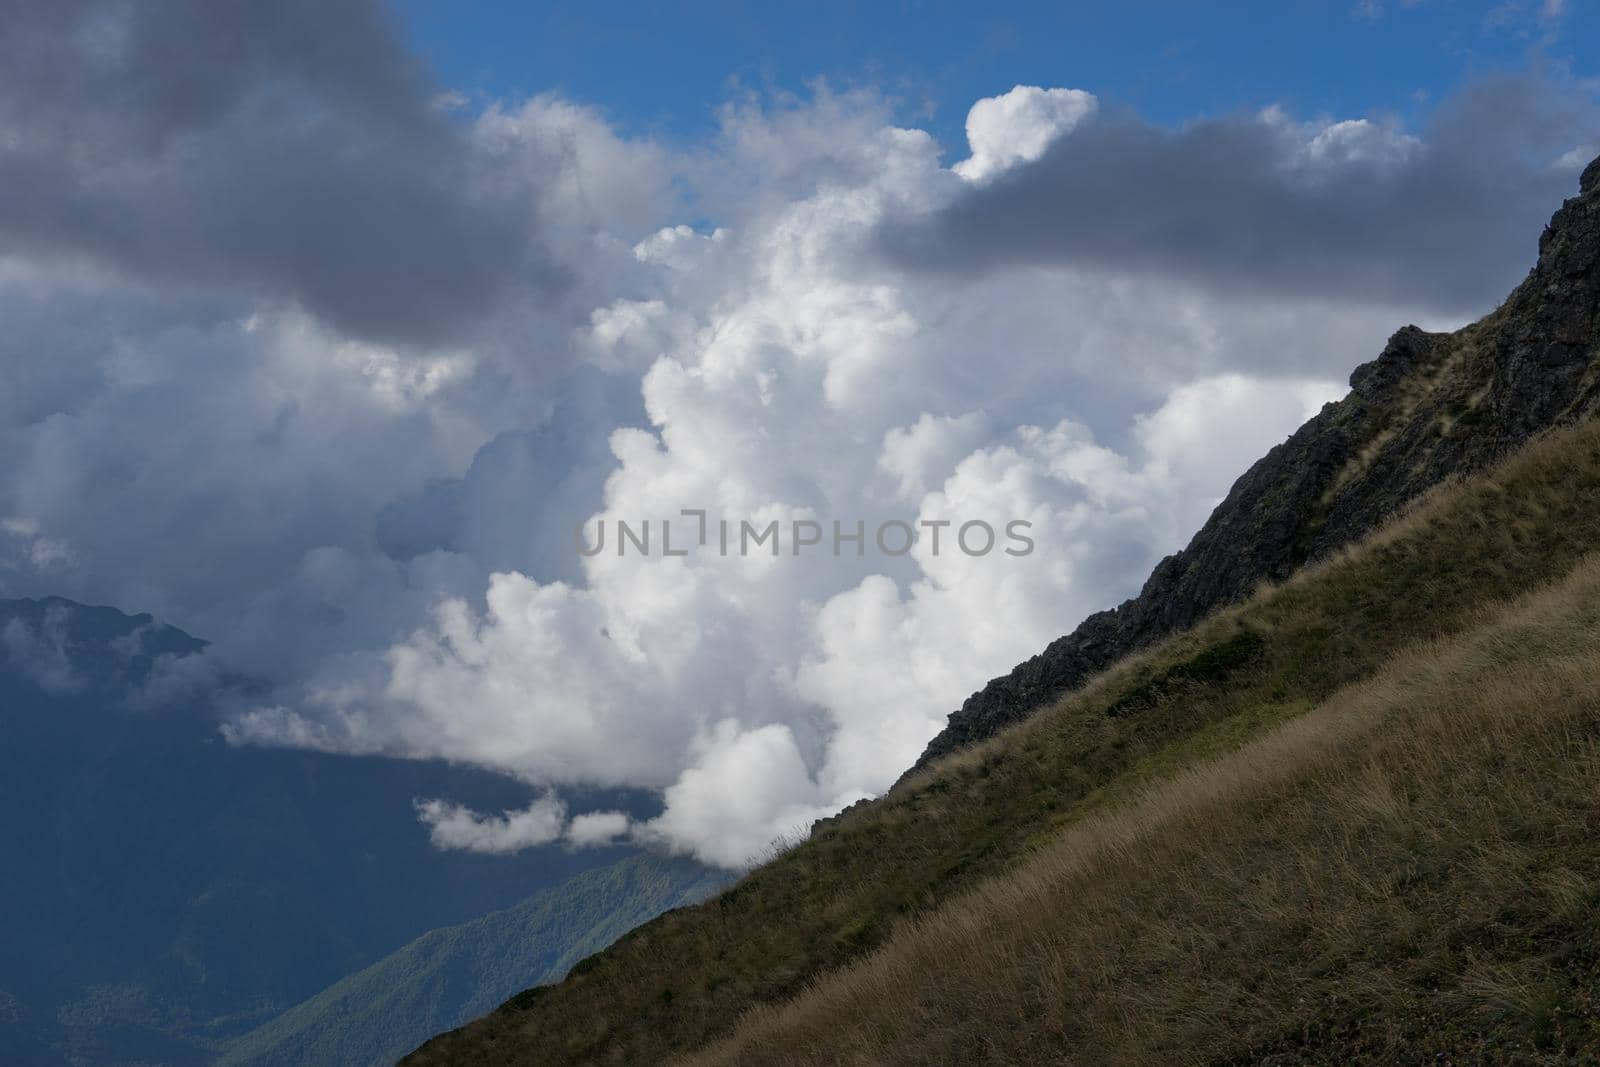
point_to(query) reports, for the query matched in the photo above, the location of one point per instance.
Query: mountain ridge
(451, 975)
(1351, 466)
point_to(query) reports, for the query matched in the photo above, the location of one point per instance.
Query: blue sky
(663, 68)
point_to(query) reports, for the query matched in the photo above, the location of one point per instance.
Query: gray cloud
(517, 504)
(1444, 221)
(291, 150)
(39, 654)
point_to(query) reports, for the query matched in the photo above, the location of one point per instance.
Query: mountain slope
(450, 976)
(684, 980)
(164, 891)
(1407, 874)
(1430, 407)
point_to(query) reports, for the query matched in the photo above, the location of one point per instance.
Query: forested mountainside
(450, 976)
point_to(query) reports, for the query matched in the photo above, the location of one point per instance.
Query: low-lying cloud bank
(1089, 323)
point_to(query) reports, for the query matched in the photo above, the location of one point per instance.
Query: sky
(664, 68)
(329, 326)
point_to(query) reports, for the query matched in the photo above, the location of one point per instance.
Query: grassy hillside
(449, 976)
(1443, 570)
(1409, 873)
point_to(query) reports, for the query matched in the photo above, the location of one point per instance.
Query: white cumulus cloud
(596, 828)
(451, 826)
(795, 379)
(1017, 127)
(385, 509)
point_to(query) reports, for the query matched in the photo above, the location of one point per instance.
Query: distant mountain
(449, 977)
(164, 892)
(1431, 406)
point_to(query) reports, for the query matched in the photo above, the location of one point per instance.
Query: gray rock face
(1430, 406)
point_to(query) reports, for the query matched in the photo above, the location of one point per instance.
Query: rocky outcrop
(1429, 407)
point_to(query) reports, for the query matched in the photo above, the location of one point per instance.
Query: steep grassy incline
(449, 976)
(686, 978)
(1408, 874)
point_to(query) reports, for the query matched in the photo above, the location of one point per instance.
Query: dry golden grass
(1440, 570)
(1409, 870)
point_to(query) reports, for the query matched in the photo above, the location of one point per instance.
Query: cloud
(597, 828)
(451, 826)
(1018, 126)
(744, 791)
(26, 547)
(1263, 205)
(365, 491)
(796, 381)
(916, 455)
(292, 152)
(40, 653)
(786, 370)
(343, 483)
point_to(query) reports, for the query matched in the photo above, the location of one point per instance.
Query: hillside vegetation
(1408, 873)
(1032, 820)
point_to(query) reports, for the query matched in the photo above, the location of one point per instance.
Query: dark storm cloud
(1446, 221)
(291, 149)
